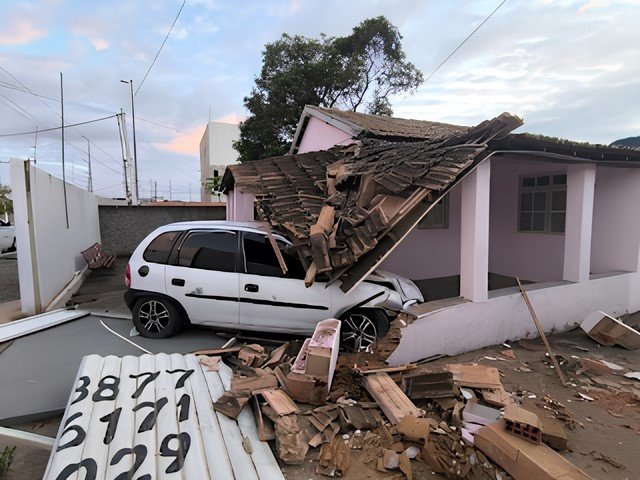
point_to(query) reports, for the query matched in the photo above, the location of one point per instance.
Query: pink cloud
(186, 143)
(232, 117)
(19, 32)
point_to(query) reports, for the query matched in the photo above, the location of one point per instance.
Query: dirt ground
(604, 439)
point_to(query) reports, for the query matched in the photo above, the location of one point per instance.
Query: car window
(209, 251)
(160, 247)
(260, 259)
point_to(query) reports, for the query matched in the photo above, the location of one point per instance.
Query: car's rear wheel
(156, 317)
(360, 329)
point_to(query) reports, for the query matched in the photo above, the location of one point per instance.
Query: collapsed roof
(347, 207)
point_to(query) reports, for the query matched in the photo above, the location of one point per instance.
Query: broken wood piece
(358, 417)
(334, 458)
(276, 356)
(290, 442)
(393, 402)
(405, 466)
(265, 426)
(230, 404)
(474, 376)
(609, 331)
(217, 351)
(326, 218)
(523, 423)
(212, 363)
(414, 429)
(420, 384)
(310, 276)
(399, 368)
(541, 333)
(280, 402)
(251, 384)
(522, 459)
(251, 355)
(497, 397)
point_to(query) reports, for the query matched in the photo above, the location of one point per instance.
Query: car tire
(361, 328)
(156, 317)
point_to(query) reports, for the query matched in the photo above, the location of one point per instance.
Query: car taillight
(127, 276)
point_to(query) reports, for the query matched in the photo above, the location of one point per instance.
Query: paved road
(9, 285)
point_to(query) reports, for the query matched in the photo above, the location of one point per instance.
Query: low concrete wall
(122, 228)
(469, 326)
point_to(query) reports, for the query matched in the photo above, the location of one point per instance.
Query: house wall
(615, 240)
(320, 135)
(53, 255)
(469, 326)
(430, 253)
(538, 257)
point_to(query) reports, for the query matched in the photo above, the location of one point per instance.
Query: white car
(227, 275)
(7, 237)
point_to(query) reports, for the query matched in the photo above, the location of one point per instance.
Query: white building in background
(216, 152)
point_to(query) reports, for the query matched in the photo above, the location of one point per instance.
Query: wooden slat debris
(610, 331)
(280, 402)
(475, 376)
(392, 401)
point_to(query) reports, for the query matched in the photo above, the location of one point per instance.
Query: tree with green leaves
(357, 72)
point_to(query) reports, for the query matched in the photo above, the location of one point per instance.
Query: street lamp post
(135, 152)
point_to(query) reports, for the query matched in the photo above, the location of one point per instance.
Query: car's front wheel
(360, 329)
(156, 318)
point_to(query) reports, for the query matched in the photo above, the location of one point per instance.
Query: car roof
(257, 227)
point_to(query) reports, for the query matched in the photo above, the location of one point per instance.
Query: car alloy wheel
(358, 332)
(154, 316)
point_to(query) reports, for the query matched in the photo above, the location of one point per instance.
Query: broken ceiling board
(609, 331)
(392, 401)
(522, 459)
(475, 376)
(280, 402)
(154, 413)
(35, 323)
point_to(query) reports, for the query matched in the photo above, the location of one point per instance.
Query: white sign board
(151, 417)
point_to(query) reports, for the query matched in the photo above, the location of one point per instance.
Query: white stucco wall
(320, 135)
(216, 151)
(615, 239)
(538, 257)
(56, 248)
(430, 253)
(470, 326)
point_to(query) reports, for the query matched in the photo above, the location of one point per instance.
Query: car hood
(405, 287)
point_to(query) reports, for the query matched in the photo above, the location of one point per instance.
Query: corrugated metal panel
(152, 417)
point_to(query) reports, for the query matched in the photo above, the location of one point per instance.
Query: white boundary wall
(48, 261)
(469, 326)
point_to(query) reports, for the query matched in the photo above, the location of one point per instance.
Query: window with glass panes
(542, 203)
(438, 216)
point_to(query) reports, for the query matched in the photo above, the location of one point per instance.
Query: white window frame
(548, 189)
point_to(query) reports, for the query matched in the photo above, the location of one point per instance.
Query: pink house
(561, 216)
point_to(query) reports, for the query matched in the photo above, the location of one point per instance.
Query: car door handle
(251, 287)
(178, 282)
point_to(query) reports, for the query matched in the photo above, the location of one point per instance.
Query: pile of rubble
(350, 412)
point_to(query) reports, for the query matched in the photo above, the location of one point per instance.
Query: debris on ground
(609, 331)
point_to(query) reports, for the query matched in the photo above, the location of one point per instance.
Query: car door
(203, 277)
(272, 300)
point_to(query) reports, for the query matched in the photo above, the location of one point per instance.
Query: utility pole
(64, 178)
(190, 191)
(90, 181)
(155, 191)
(134, 170)
(170, 196)
(35, 147)
(125, 153)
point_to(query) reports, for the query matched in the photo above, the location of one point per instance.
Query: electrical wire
(161, 47)
(57, 128)
(464, 41)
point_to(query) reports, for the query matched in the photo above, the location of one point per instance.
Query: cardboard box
(318, 361)
(524, 460)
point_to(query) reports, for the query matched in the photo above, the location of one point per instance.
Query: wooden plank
(393, 402)
(215, 451)
(475, 376)
(541, 332)
(280, 402)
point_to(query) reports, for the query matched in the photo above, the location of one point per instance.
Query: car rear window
(160, 247)
(210, 251)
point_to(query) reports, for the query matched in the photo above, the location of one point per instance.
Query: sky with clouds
(570, 68)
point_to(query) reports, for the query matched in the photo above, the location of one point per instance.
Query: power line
(57, 128)
(161, 47)
(464, 41)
